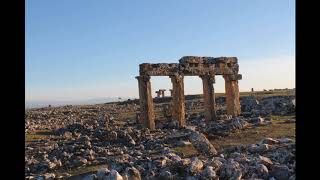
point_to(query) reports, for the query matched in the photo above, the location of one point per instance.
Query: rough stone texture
(232, 96)
(146, 105)
(193, 66)
(248, 103)
(178, 99)
(205, 67)
(278, 105)
(126, 144)
(280, 172)
(209, 98)
(195, 166)
(209, 173)
(201, 143)
(224, 127)
(133, 173)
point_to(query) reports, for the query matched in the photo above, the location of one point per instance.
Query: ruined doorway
(193, 97)
(161, 100)
(204, 67)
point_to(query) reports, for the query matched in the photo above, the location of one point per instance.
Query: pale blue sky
(80, 49)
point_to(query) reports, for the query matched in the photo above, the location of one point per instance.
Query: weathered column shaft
(209, 98)
(158, 94)
(232, 96)
(178, 107)
(162, 93)
(146, 104)
(171, 92)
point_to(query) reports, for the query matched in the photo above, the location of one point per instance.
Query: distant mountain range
(46, 103)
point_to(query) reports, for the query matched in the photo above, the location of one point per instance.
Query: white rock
(113, 175)
(49, 176)
(269, 141)
(208, 172)
(285, 140)
(262, 171)
(265, 160)
(102, 173)
(133, 173)
(195, 166)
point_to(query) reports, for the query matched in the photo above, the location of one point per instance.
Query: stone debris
(208, 173)
(226, 126)
(195, 166)
(100, 135)
(277, 105)
(201, 143)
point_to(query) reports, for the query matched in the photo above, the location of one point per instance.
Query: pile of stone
(93, 136)
(276, 105)
(59, 117)
(136, 152)
(224, 127)
(273, 159)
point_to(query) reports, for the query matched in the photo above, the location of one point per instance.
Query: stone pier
(158, 94)
(146, 103)
(178, 108)
(162, 92)
(232, 95)
(209, 98)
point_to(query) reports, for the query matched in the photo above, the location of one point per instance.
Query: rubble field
(104, 141)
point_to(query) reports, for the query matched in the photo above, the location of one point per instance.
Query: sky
(80, 49)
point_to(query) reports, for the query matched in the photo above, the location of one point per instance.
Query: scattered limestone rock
(262, 171)
(201, 143)
(102, 173)
(133, 173)
(269, 141)
(195, 166)
(280, 172)
(209, 173)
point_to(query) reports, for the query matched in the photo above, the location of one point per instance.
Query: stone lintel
(217, 60)
(194, 59)
(159, 69)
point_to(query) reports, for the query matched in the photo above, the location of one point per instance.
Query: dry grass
(282, 126)
(278, 129)
(79, 173)
(187, 151)
(37, 135)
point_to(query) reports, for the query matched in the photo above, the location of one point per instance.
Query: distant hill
(45, 103)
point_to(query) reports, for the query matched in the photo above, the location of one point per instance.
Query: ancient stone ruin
(160, 92)
(204, 67)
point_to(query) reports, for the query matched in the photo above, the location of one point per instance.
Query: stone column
(162, 93)
(146, 104)
(232, 95)
(178, 107)
(209, 98)
(170, 92)
(158, 94)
